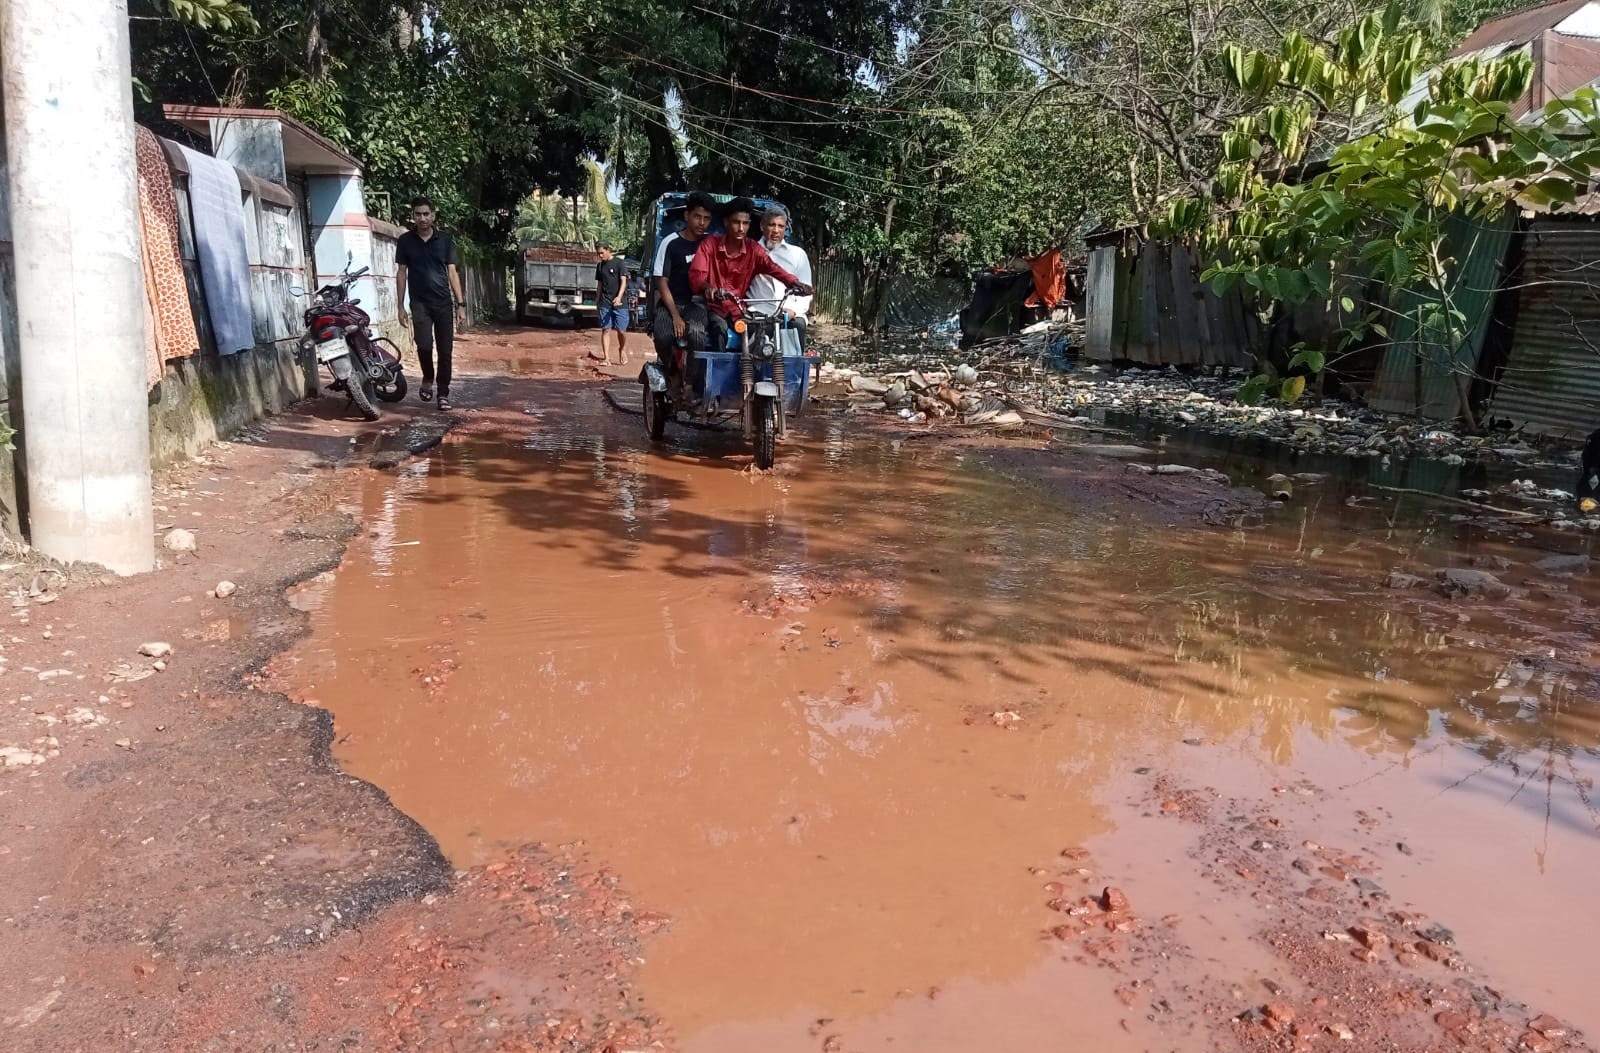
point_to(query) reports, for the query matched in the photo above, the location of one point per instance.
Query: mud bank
(186, 867)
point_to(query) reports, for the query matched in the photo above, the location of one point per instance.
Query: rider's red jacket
(715, 268)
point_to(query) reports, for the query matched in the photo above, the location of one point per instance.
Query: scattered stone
(1534, 1042)
(180, 541)
(1279, 487)
(1400, 580)
(1434, 952)
(1175, 469)
(1461, 581)
(1563, 565)
(1549, 1026)
(1113, 900)
(17, 757)
(1438, 934)
(1370, 938)
(155, 650)
(1341, 1032)
(224, 589)
(1278, 1015)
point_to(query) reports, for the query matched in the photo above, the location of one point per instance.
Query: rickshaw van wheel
(766, 434)
(655, 413)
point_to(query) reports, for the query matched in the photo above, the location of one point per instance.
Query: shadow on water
(828, 786)
(972, 578)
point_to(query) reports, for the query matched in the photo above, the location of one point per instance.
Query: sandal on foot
(426, 394)
(444, 404)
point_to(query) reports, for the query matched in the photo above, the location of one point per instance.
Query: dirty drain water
(836, 723)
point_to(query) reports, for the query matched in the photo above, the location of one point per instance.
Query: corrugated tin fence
(487, 284)
(1551, 380)
(1147, 304)
(1529, 291)
(913, 303)
(1424, 372)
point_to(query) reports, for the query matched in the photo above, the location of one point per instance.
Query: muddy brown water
(827, 720)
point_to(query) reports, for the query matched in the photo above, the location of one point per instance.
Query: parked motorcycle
(365, 366)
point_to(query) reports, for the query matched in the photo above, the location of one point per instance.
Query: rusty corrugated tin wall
(1146, 304)
(1421, 373)
(1551, 381)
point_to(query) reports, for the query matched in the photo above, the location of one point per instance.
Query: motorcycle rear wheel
(363, 392)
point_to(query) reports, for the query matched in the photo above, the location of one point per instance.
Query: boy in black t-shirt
(677, 317)
(611, 280)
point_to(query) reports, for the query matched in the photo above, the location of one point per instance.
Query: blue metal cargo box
(717, 374)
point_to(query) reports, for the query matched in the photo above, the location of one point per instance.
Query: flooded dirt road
(858, 739)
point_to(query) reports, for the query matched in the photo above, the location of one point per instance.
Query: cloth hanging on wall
(217, 208)
(169, 321)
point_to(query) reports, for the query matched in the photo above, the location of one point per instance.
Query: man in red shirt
(724, 265)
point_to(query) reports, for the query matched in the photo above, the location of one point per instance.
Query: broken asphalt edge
(318, 545)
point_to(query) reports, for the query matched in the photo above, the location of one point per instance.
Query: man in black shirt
(677, 315)
(611, 281)
(430, 268)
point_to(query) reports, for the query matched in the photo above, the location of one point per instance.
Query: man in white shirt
(792, 258)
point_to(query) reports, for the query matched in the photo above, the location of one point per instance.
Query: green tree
(1393, 160)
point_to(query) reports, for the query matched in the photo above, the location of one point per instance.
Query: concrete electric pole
(80, 280)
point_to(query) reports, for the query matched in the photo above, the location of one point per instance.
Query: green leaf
(1347, 304)
(1293, 388)
(1315, 361)
(1253, 390)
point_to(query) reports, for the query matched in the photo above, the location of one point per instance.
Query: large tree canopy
(907, 135)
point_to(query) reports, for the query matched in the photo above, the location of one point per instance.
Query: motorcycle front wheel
(394, 391)
(656, 411)
(766, 432)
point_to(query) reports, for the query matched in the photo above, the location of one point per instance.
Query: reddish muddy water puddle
(827, 720)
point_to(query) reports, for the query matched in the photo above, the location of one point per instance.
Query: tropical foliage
(908, 136)
(1356, 169)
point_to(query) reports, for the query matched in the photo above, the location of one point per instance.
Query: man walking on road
(430, 268)
(611, 281)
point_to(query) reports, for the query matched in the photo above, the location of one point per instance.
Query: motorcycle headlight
(765, 347)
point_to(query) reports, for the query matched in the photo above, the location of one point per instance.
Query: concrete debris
(17, 757)
(1459, 581)
(155, 650)
(224, 589)
(180, 541)
(1030, 368)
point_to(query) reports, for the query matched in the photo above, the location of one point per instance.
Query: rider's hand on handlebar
(721, 295)
(801, 289)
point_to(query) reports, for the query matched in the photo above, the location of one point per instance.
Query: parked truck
(556, 281)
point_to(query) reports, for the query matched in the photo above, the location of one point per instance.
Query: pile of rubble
(918, 397)
(1031, 369)
(1026, 380)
